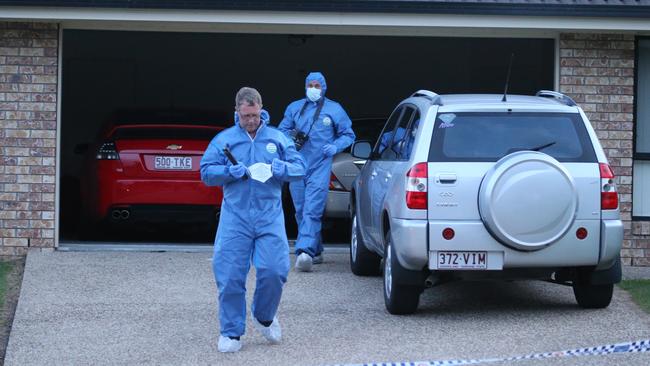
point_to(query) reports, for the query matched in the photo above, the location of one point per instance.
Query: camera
(299, 138)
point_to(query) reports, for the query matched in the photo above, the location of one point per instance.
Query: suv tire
(591, 296)
(363, 262)
(399, 298)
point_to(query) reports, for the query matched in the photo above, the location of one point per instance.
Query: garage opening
(194, 77)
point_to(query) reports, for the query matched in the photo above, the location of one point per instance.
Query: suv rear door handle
(447, 178)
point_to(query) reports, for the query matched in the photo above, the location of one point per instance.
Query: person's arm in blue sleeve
(294, 164)
(287, 124)
(344, 133)
(214, 166)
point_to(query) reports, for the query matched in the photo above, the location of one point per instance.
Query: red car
(147, 169)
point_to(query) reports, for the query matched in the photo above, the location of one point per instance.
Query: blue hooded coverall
(333, 126)
(251, 225)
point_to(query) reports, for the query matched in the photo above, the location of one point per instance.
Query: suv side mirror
(361, 149)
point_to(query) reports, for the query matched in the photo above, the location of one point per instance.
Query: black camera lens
(299, 139)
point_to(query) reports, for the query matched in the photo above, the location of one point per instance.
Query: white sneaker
(317, 259)
(272, 333)
(228, 345)
(304, 262)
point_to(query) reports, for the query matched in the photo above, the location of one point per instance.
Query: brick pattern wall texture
(597, 71)
(28, 102)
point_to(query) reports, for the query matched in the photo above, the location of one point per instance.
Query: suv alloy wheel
(362, 261)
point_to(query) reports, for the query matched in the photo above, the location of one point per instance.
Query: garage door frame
(408, 25)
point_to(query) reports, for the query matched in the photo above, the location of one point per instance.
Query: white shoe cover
(303, 262)
(228, 345)
(272, 333)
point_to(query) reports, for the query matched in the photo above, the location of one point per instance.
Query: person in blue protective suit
(401, 143)
(395, 136)
(321, 129)
(251, 224)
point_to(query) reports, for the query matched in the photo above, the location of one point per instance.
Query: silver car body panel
(345, 170)
(337, 205)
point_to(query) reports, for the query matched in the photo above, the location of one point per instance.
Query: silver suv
(480, 187)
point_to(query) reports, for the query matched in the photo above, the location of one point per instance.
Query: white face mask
(313, 94)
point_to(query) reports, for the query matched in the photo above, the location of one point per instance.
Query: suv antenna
(505, 91)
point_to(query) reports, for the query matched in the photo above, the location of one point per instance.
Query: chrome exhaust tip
(125, 214)
(432, 280)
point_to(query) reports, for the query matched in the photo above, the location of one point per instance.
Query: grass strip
(5, 268)
(640, 291)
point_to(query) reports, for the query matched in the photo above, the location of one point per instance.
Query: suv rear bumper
(611, 241)
(416, 240)
(568, 251)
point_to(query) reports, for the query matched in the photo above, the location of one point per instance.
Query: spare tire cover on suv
(528, 200)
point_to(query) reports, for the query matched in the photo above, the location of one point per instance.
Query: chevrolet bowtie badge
(174, 147)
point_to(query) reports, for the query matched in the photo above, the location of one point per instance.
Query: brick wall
(597, 70)
(28, 101)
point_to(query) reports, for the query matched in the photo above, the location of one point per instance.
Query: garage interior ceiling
(103, 71)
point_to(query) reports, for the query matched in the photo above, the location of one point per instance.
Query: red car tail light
(416, 187)
(107, 151)
(448, 233)
(581, 233)
(335, 185)
(608, 194)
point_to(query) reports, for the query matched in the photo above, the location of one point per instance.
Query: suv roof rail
(557, 95)
(433, 97)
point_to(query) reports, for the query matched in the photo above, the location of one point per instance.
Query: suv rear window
(487, 137)
(136, 133)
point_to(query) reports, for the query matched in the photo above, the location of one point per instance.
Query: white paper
(260, 172)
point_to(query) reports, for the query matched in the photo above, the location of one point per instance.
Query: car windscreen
(487, 137)
(153, 133)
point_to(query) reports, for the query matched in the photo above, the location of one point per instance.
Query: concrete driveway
(108, 308)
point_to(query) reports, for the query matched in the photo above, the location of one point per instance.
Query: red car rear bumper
(119, 192)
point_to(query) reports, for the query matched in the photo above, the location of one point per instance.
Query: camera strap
(319, 107)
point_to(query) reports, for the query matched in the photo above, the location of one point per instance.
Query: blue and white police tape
(628, 347)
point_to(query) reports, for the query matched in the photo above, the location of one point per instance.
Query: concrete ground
(114, 308)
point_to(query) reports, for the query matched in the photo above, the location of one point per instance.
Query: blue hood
(321, 79)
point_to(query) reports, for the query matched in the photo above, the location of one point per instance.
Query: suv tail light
(608, 194)
(416, 187)
(335, 185)
(107, 152)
